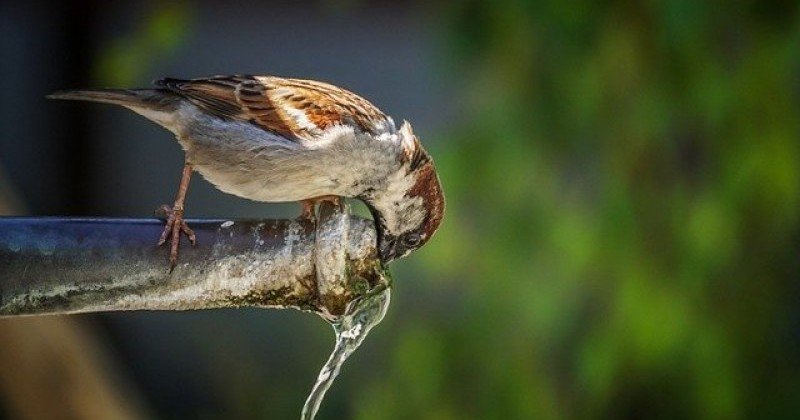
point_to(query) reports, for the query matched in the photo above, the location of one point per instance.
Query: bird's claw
(172, 231)
(309, 207)
(308, 213)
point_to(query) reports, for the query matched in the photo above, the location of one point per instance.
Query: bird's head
(409, 210)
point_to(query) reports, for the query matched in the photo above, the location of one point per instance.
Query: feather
(294, 108)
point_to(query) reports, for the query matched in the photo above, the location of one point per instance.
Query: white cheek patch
(402, 214)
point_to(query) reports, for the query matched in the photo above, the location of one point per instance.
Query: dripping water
(350, 330)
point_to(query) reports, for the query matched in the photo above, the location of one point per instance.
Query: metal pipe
(72, 265)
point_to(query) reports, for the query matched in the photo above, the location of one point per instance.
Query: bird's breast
(241, 159)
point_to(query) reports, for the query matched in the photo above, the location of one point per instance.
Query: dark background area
(622, 182)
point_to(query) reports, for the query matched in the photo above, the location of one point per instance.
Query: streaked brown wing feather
(291, 107)
(213, 93)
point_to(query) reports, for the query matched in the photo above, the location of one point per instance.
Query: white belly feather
(244, 160)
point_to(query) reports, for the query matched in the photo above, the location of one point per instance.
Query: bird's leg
(333, 199)
(309, 206)
(175, 224)
(308, 211)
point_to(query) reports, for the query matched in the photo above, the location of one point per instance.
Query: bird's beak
(386, 241)
(387, 251)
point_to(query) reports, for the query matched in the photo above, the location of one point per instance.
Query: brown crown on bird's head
(407, 223)
(429, 188)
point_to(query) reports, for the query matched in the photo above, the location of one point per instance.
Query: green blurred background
(622, 182)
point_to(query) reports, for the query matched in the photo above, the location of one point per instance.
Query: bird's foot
(333, 199)
(309, 211)
(172, 231)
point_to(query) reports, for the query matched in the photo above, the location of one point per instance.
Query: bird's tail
(155, 104)
(143, 98)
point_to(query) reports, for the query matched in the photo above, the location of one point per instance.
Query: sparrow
(273, 139)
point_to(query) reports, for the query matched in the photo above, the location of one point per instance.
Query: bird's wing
(293, 108)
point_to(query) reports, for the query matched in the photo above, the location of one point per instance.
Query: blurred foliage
(621, 236)
(622, 227)
(128, 58)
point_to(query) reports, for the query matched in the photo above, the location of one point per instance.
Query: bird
(275, 139)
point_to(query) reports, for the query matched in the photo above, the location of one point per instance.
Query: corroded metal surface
(56, 265)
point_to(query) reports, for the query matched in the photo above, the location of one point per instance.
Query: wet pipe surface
(74, 265)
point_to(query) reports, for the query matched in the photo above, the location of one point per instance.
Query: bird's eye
(412, 240)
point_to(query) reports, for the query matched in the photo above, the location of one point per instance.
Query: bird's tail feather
(154, 104)
(152, 99)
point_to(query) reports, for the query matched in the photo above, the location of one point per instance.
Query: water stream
(350, 330)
